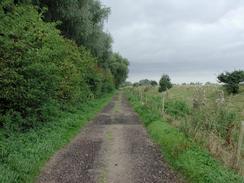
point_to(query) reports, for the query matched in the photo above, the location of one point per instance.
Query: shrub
(154, 83)
(221, 121)
(39, 69)
(108, 82)
(29, 64)
(177, 108)
(232, 80)
(164, 83)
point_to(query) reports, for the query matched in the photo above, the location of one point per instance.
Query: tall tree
(82, 21)
(119, 68)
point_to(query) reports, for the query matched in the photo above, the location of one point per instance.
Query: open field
(185, 93)
(182, 150)
(204, 113)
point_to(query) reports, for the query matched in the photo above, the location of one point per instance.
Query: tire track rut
(113, 148)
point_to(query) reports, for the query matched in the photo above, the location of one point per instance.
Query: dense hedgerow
(40, 70)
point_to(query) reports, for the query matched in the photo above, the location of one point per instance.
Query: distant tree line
(164, 83)
(53, 55)
(145, 82)
(231, 81)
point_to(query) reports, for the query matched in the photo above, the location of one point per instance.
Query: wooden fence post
(141, 97)
(163, 101)
(166, 93)
(239, 147)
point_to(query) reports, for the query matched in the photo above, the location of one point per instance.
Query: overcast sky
(191, 40)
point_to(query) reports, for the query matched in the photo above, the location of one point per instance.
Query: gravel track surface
(113, 148)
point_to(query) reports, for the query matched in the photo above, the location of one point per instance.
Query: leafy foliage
(144, 82)
(177, 108)
(40, 70)
(154, 83)
(232, 80)
(47, 81)
(22, 155)
(81, 21)
(119, 68)
(164, 83)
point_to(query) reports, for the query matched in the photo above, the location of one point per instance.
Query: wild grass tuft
(23, 154)
(182, 152)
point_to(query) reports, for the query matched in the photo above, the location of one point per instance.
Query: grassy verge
(186, 156)
(23, 154)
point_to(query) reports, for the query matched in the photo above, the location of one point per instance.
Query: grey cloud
(188, 39)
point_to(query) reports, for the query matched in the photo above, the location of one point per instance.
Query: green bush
(225, 120)
(164, 83)
(177, 108)
(108, 82)
(220, 121)
(232, 80)
(22, 155)
(29, 64)
(40, 70)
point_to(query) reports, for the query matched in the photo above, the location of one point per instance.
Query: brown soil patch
(113, 148)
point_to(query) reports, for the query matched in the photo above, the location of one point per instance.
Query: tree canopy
(53, 58)
(81, 21)
(119, 68)
(232, 80)
(164, 83)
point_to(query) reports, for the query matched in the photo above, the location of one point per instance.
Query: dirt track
(113, 148)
